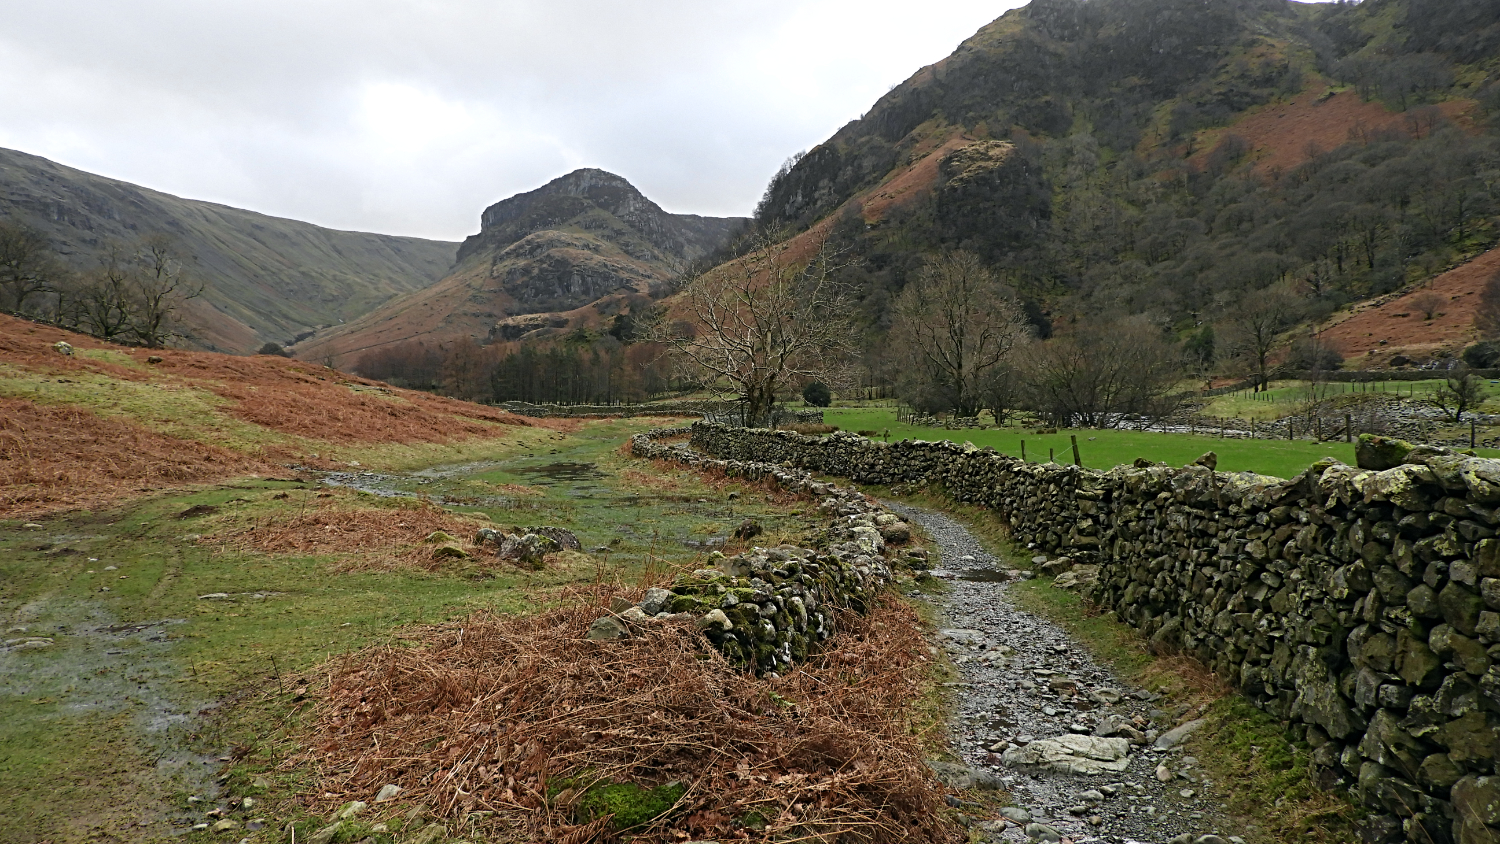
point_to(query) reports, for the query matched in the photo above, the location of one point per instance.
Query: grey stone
(1173, 737)
(717, 619)
(1422, 600)
(528, 550)
(387, 793)
(1042, 832)
(1073, 754)
(607, 629)
(1460, 607)
(1477, 799)
(961, 777)
(655, 600)
(1016, 814)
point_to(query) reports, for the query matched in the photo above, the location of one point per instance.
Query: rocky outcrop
(586, 250)
(1361, 607)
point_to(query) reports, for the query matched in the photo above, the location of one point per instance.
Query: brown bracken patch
(58, 457)
(1372, 331)
(518, 716)
(361, 538)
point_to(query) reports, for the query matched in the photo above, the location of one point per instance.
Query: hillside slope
(266, 279)
(107, 423)
(1172, 157)
(539, 262)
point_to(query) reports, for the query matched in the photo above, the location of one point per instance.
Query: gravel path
(1030, 693)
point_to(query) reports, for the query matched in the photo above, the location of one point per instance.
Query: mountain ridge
(1169, 158)
(266, 278)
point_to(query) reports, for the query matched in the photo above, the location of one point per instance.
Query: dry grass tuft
(518, 716)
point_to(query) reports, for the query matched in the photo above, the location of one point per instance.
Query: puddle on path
(561, 472)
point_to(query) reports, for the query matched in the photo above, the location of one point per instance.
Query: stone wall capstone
(1360, 607)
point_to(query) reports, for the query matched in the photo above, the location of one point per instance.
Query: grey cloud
(409, 117)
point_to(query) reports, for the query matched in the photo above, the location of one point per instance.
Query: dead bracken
(565, 739)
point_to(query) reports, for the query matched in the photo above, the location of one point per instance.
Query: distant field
(1105, 449)
(1285, 397)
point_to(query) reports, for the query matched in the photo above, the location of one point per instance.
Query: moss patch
(628, 804)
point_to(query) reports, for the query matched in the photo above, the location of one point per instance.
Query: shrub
(817, 394)
(1483, 355)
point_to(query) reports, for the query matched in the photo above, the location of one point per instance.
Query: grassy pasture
(1105, 449)
(1287, 397)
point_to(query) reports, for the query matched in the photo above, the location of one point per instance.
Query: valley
(1096, 441)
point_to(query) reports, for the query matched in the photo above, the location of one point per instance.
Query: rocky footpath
(1083, 756)
(1359, 605)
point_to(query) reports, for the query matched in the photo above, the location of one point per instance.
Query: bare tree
(28, 265)
(1460, 392)
(1427, 303)
(1257, 324)
(101, 303)
(763, 321)
(1102, 372)
(954, 324)
(132, 297)
(160, 289)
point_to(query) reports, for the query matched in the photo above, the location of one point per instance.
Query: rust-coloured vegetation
(363, 538)
(526, 718)
(57, 457)
(62, 455)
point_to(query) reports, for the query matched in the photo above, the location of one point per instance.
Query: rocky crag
(1361, 606)
(581, 250)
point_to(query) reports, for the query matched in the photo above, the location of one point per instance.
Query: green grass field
(1105, 449)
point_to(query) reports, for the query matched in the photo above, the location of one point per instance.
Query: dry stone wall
(770, 608)
(1360, 607)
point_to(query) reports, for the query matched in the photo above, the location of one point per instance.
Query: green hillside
(266, 279)
(1174, 157)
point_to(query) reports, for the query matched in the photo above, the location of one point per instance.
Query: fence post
(1348, 428)
(1077, 461)
(1023, 451)
(1290, 425)
(1473, 427)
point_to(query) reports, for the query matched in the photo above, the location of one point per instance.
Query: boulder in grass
(528, 550)
(566, 540)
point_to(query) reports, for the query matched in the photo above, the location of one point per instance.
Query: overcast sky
(411, 116)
